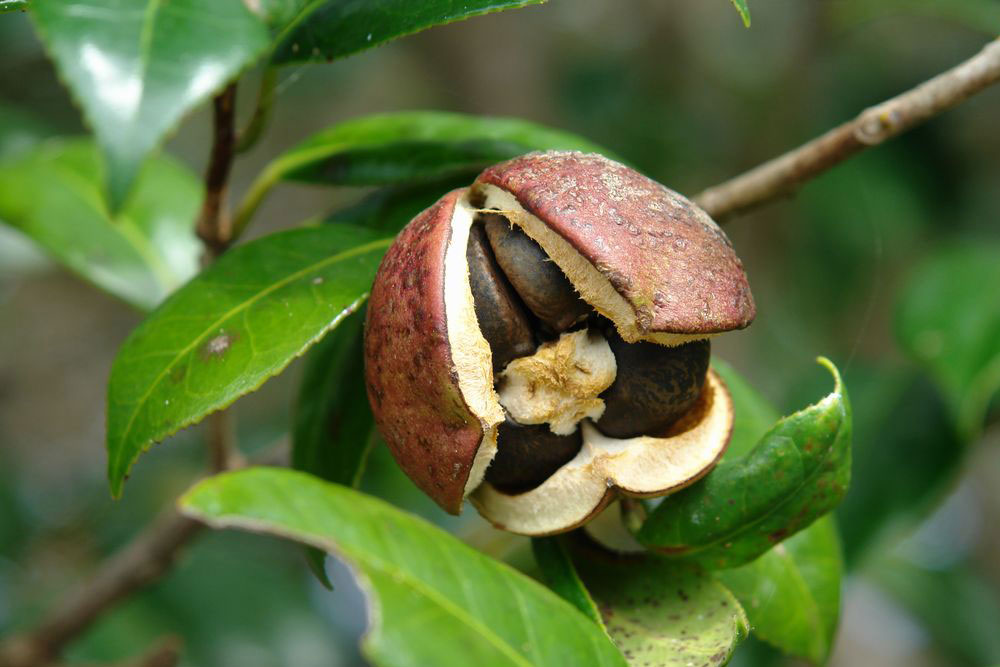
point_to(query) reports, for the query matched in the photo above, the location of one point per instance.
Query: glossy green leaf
(948, 319)
(13, 6)
(791, 594)
(922, 450)
(407, 147)
(333, 423)
(956, 605)
(744, 10)
(323, 31)
(389, 209)
(798, 472)
(432, 600)
(238, 323)
(752, 414)
(137, 66)
(559, 572)
(333, 420)
(662, 613)
(53, 194)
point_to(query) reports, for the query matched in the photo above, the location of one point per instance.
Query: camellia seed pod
(537, 342)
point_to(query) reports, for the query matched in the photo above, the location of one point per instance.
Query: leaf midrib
(357, 250)
(125, 228)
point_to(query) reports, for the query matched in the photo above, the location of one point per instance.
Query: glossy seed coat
(654, 386)
(501, 317)
(539, 282)
(528, 455)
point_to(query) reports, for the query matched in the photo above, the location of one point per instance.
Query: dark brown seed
(541, 284)
(527, 455)
(501, 316)
(654, 386)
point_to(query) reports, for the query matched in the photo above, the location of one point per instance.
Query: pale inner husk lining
(470, 352)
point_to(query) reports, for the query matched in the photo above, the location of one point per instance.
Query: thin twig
(780, 176)
(141, 562)
(214, 226)
(221, 441)
(165, 653)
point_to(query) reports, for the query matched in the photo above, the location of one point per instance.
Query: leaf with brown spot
(661, 613)
(779, 488)
(240, 322)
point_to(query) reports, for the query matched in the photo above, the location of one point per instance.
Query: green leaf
(560, 574)
(662, 613)
(752, 414)
(53, 194)
(407, 147)
(389, 209)
(741, 7)
(333, 423)
(238, 323)
(323, 31)
(137, 66)
(791, 594)
(432, 600)
(949, 321)
(13, 6)
(957, 605)
(798, 472)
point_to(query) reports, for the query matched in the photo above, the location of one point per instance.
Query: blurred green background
(691, 97)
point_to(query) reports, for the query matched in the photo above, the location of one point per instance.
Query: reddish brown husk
(409, 372)
(663, 254)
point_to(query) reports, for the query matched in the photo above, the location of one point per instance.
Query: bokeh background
(691, 97)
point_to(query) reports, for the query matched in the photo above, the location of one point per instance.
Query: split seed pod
(464, 342)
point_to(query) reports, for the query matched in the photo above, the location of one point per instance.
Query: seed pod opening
(590, 241)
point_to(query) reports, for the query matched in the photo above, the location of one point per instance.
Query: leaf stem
(214, 226)
(254, 196)
(249, 135)
(782, 175)
(147, 558)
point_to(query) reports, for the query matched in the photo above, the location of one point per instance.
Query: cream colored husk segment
(470, 351)
(559, 384)
(643, 466)
(595, 289)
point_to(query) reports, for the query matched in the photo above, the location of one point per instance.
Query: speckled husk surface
(409, 372)
(662, 253)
